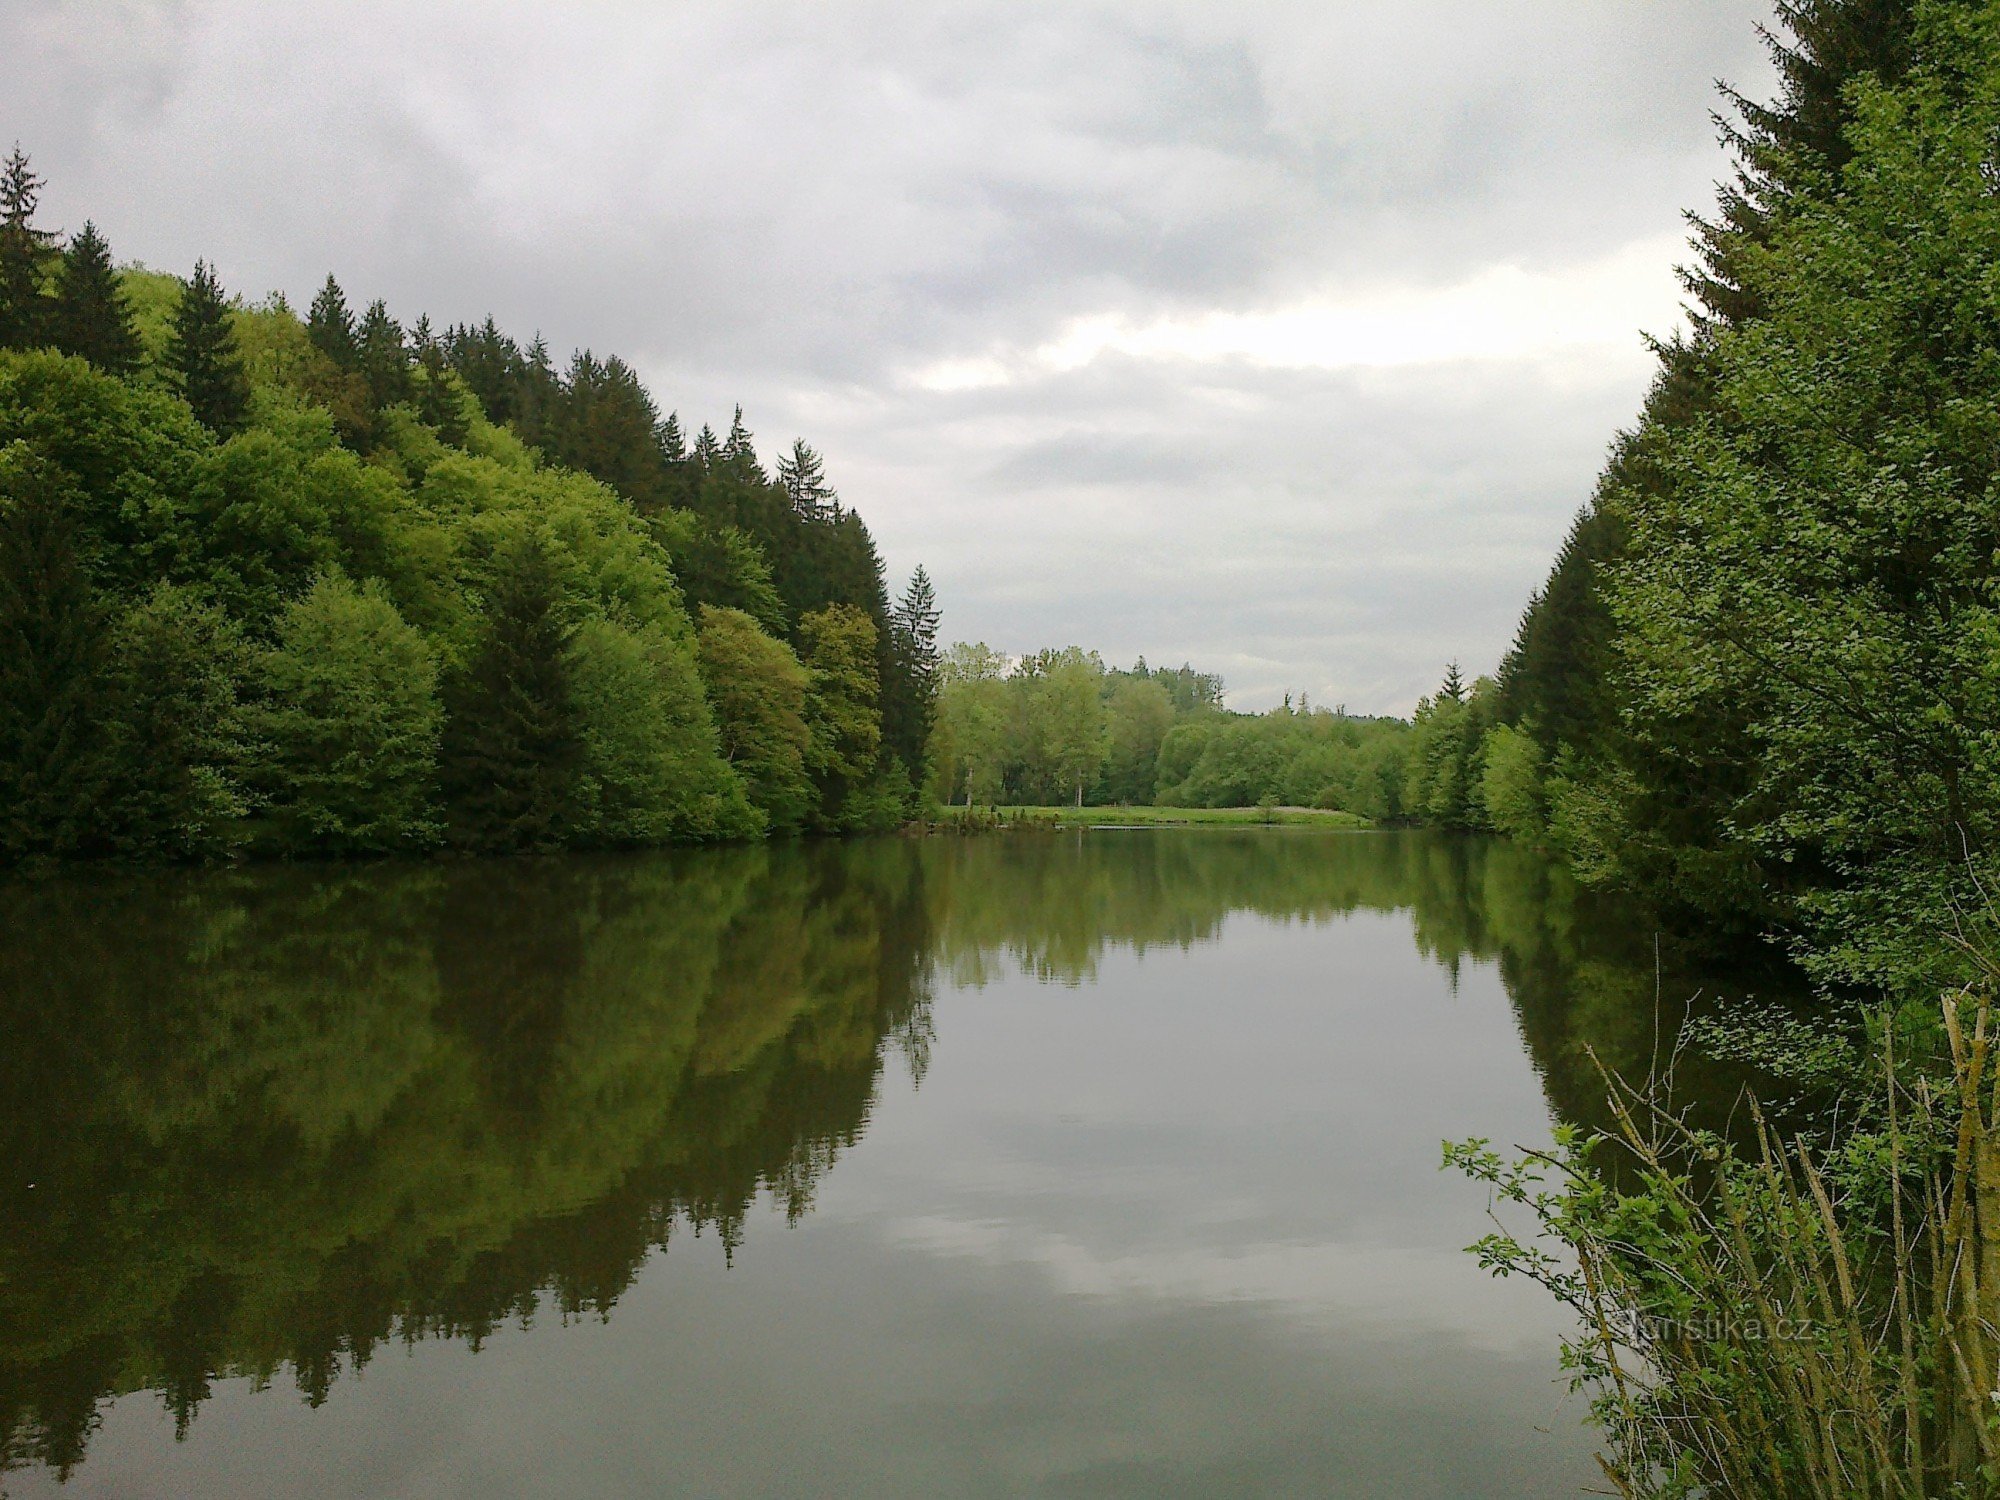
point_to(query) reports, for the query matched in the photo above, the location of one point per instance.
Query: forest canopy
(328, 584)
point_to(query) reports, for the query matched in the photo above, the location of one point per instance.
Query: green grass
(1164, 817)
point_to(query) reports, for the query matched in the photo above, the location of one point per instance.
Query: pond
(1057, 1163)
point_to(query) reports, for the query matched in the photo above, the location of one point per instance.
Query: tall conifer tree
(330, 326)
(511, 748)
(384, 357)
(202, 352)
(91, 317)
(437, 397)
(25, 252)
(802, 476)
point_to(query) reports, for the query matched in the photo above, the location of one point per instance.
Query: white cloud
(1502, 313)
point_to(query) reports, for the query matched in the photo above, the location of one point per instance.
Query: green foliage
(1288, 757)
(52, 662)
(837, 649)
(25, 253)
(651, 770)
(1444, 766)
(89, 316)
(1510, 784)
(1818, 562)
(720, 565)
(1065, 712)
(759, 692)
(969, 749)
(347, 726)
(202, 352)
(512, 752)
(352, 522)
(132, 454)
(174, 730)
(1138, 714)
(1785, 1317)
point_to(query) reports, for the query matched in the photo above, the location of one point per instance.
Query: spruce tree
(1454, 684)
(910, 672)
(491, 366)
(330, 326)
(203, 354)
(511, 748)
(437, 396)
(1556, 682)
(384, 357)
(53, 636)
(91, 317)
(25, 252)
(802, 476)
(672, 444)
(739, 451)
(538, 393)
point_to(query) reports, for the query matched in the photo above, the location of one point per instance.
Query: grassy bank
(1161, 817)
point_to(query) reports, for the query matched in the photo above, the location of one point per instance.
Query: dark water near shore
(1065, 1164)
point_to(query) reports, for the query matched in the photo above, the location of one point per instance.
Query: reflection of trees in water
(276, 1118)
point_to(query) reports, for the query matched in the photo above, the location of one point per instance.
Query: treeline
(1761, 684)
(327, 585)
(1060, 726)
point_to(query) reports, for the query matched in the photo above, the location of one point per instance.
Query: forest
(1059, 726)
(322, 585)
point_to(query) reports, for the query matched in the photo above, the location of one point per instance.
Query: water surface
(1074, 1163)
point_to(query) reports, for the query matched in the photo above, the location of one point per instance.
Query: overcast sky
(1280, 337)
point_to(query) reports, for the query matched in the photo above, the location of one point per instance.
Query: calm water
(1059, 1164)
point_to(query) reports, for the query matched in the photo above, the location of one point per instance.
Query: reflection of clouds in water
(1388, 1291)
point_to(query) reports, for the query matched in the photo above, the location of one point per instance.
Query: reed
(1783, 1315)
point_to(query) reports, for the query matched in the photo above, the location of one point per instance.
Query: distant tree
(759, 690)
(739, 451)
(707, 451)
(969, 746)
(910, 672)
(672, 444)
(25, 252)
(203, 354)
(1510, 784)
(349, 723)
(511, 750)
(1066, 708)
(537, 392)
(1138, 715)
(1453, 687)
(90, 317)
(720, 565)
(330, 326)
(606, 424)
